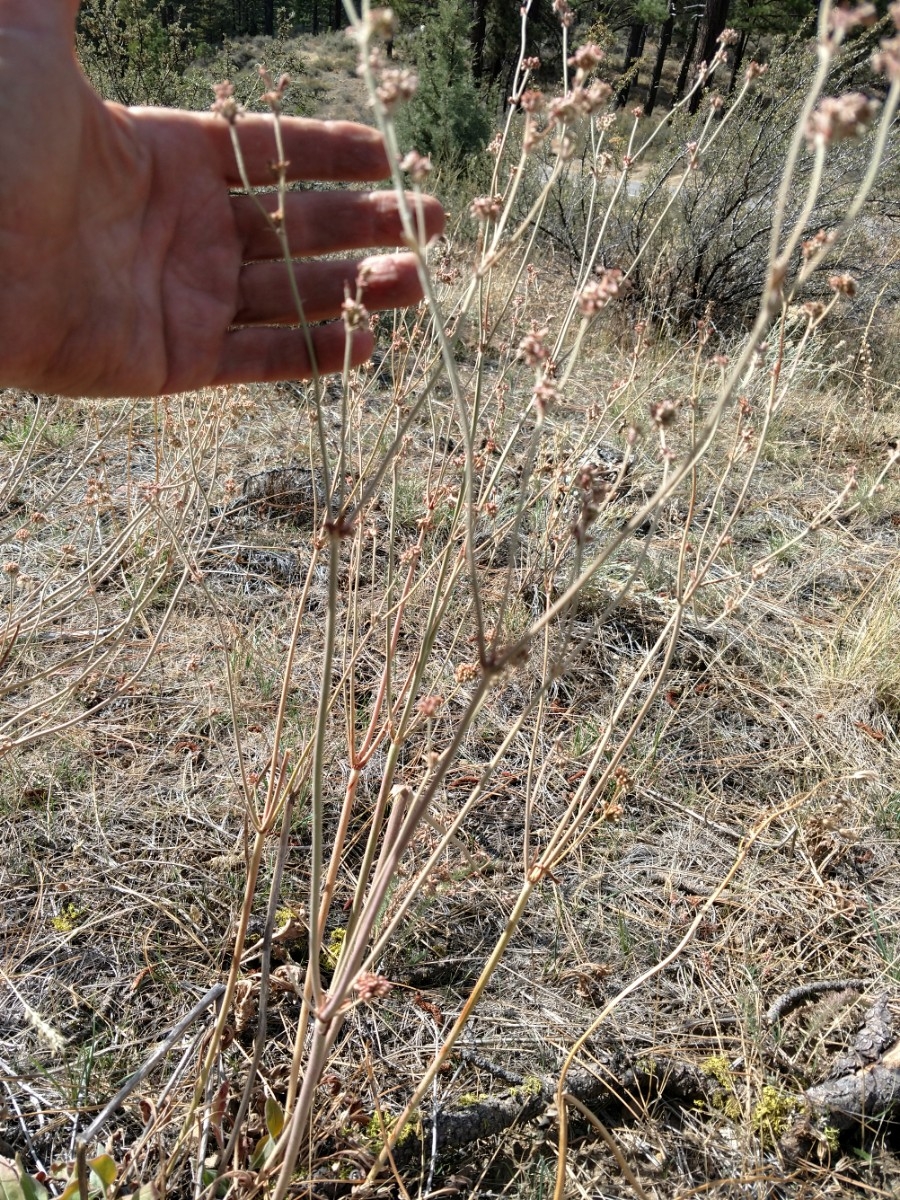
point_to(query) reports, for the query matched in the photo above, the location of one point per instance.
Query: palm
(131, 268)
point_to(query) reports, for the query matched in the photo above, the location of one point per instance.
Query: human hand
(127, 267)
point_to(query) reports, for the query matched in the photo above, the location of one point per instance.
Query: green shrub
(705, 237)
(449, 119)
(130, 51)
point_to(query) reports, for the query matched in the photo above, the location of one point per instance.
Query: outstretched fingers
(329, 222)
(331, 151)
(267, 298)
(268, 355)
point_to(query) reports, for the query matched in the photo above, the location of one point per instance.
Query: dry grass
(124, 833)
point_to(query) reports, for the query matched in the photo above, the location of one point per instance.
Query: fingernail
(378, 270)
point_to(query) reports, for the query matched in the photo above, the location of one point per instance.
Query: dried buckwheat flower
(371, 987)
(429, 706)
(887, 60)
(225, 104)
(355, 314)
(532, 349)
(586, 57)
(545, 394)
(532, 101)
(466, 672)
(598, 292)
(843, 284)
(383, 23)
(416, 165)
(396, 87)
(838, 118)
(663, 412)
(486, 208)
(812, 246)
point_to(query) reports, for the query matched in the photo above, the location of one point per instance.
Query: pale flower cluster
(838, 118)
(396, 86)
(598, 293)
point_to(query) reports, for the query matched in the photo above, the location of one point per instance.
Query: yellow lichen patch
(331, 953)
(530, 1086)
(717, 1068)
(772, 1113)
(832, 1137)
(67, 919)
(724, 1101)
(381, 1126)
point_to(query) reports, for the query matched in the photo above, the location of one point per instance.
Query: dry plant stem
(328, 1018)
(384, 1127)
(214, 993)
(477, 793)
(680, 472)
(884, 130)
(812, 95)
(565, 836)
(317, 798)
(548, 859)
(288, 1147)
(513, 537)
(265, 968)
(299, 1046)
(205, 1124)
(617, 1154)
(360, 758)
(163, 1110)
(284, 697)
(589, 260)
(702, 147)
(364, 873)
(81, 1168)
(439, 325)
(393, 850)
(279, 228)
(397, 732)
(597, 140)
(743, 850)
(372, 475)
(535, 738)
(459, 1024)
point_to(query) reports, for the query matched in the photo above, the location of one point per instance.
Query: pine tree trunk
(269, 17)
(478, 35)
(714, 18)
(632, 53)
(315, 18)
(337, 19)
(739, 52)
(665, 39)
(686, 61)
